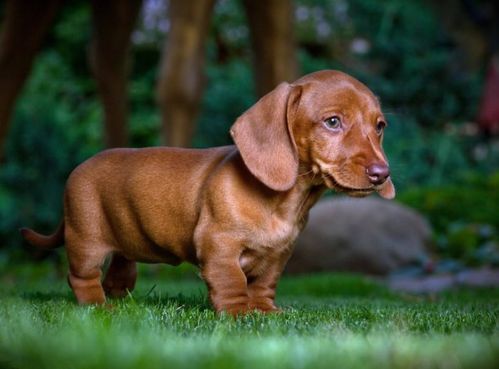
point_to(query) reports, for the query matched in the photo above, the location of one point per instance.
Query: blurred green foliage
(475, 199)
(397, 47)
(465, 217)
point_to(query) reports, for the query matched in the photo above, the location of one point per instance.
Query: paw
(264, 308)
(234, 309)
(263, 304)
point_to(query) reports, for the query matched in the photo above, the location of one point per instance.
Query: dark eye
(333, 123)
(380, 126)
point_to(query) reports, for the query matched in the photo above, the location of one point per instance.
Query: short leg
(225, 279)
(226, 285)
(180, 86)
(113, 21)
(87, 286)
(120, 277)
(85, 270)
(85, 277)
(261, 288)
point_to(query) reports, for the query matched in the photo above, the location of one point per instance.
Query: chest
(270, 240)
(269, 245)
(276, 231)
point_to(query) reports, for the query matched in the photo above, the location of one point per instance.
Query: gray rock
(482, 277)
(427, 284)
(369, 235)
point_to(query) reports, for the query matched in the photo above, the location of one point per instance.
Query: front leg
(261, 288)
(227, 286)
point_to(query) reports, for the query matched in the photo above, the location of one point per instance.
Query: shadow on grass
(35, 296)
(197, 301)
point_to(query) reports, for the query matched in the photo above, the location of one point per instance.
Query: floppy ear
(387, 190)
(263, 136)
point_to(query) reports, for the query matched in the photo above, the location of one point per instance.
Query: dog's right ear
(263, 136)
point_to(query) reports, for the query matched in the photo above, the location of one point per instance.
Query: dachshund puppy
(233, 211)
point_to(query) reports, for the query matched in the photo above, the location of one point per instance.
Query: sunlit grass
(328, 321)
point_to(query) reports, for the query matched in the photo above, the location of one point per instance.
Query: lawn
(339, 321)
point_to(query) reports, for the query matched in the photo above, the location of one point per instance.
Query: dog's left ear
(263, 136)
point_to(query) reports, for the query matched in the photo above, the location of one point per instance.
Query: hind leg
(120, 277)
(85, 275)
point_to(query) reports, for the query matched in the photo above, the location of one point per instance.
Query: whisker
(306, 173)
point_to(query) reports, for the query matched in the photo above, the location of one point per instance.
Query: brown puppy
(234, 211)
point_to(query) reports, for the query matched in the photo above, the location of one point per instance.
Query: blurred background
(434, 65)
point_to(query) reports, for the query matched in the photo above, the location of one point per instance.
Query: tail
(56, 239)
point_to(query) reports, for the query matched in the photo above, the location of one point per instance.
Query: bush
(464, 216)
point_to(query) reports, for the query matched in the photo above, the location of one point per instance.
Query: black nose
(377, 173)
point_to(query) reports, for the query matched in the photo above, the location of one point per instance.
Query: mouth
(333, 184)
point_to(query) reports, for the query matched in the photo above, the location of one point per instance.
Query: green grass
(328, 321)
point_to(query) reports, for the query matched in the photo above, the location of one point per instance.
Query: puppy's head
(326, 122)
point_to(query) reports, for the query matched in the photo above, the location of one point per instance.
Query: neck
(310, 185)
(298, 200)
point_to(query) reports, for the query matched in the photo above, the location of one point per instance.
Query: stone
(423, 285)
(369, 235)
(481, 277)
(429, 284)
